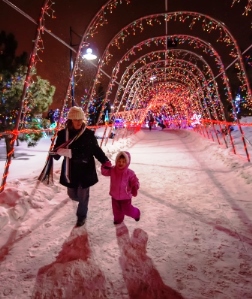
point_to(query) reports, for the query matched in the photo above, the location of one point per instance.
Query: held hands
(66, 152)
(107, 165)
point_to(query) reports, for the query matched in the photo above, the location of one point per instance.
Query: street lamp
(89, 55)
(153, 78)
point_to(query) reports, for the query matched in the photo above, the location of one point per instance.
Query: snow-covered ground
(193, 241)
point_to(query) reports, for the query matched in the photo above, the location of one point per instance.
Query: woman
(79, 146)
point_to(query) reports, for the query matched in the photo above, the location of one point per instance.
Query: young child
(123, 185)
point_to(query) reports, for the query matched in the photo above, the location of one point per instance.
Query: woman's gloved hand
(66, 152)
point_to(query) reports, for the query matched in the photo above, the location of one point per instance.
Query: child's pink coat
(123, 182)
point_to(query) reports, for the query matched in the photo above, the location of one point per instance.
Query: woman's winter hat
(75, 113)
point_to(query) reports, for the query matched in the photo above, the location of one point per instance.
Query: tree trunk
(9, 147)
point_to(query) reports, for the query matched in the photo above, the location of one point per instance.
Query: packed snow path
(195, 223)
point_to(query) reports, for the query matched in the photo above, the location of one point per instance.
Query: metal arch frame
(181, 16)
(133, 114)
(173, 60)
(197, 17)
(181, 75)
(155, 40)
(199, 106)
(193, 66)
(204, 110)
(208, 70)
(139, 115)
(146, 70)
(201, 92)
(193, 86)
(141, 58)
(204, 46)
(200, 44)
(187, 52)
(248, 7)
(174, 82)
(228, 38)
(172, 65)
(216, 54)
(143, 110)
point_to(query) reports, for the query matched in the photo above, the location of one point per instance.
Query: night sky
(55, 58)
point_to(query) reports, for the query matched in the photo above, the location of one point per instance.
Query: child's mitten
(134, 191)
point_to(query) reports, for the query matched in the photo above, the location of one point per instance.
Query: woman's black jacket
(82, 170)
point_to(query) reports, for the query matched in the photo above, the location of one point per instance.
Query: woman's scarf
(66, 146)
(47, 171)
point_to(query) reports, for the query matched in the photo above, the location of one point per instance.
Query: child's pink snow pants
(122, 208)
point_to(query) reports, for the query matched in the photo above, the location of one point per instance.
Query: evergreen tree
(39, 97)
(9, 62)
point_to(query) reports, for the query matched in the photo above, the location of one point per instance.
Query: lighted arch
(142, 87)
(143, 74)
(200, 91)
(170, 77)
(208, 23)
(143, 60)
(191, 40)
(192, 57)
(194, 42)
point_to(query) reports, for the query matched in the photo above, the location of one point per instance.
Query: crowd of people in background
(163, 121)
(53, 115)
(154, 119)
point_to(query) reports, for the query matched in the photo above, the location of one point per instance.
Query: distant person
(162, 125)
(151, 122)
(123, 185)
(79, 146)
(50, 116)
